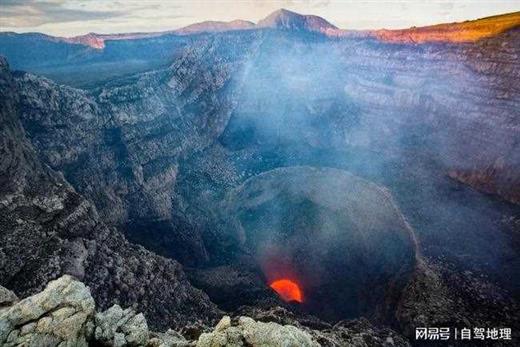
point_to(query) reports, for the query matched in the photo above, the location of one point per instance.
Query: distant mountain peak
(91, 39)
(216, 26)
(289, 20)
(283, 19)
(282, 12)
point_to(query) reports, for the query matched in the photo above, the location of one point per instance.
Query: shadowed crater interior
(340, 238)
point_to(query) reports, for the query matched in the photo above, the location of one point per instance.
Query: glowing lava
(288, 290)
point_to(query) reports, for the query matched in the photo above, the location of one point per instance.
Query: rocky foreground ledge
(64, 314)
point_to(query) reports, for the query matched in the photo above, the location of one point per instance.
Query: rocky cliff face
(468, 31)
(462, 109)
(120, 147)
(49, 229)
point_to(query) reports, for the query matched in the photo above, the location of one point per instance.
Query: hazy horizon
(77, 17)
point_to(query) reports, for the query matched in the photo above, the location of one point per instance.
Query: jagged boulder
(58, 316)
(118, 327)
(64, 315)
(170, 338)
(248, 332)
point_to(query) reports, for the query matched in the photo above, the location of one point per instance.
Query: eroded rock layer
(48, 229)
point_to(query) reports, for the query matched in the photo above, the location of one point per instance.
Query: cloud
(22, 13)
(307, 3)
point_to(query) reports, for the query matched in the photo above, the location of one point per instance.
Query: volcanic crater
(339, 238)
(258, 165)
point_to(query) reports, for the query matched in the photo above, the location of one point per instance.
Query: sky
(77, 17)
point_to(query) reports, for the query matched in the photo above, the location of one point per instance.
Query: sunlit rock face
(468, 31)
(341, 238)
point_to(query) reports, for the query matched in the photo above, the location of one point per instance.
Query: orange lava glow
(288, 290)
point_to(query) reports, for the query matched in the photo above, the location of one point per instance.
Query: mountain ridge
(288, 20)
(467, 31)
(283, 19)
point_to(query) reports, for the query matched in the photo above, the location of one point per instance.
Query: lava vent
(341, 236)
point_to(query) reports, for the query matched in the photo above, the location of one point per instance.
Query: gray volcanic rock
(56, 316)
(251, 333)
(358, 332)
(116, 326)
(63, 315)
(48, 229)
(120, 146)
